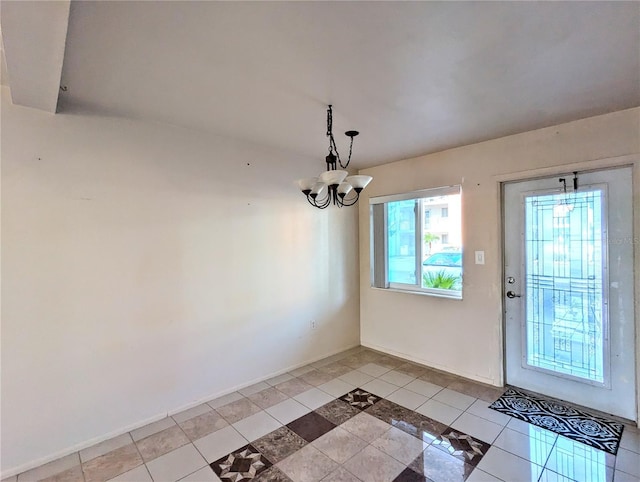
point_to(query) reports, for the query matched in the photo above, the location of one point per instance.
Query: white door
(568, 267)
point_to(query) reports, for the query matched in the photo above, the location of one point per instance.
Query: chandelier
(334, 185)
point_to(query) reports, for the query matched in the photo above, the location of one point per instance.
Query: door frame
(632, 161)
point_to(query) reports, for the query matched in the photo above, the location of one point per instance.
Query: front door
(569, 310)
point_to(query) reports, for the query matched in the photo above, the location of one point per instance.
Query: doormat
(562, 419)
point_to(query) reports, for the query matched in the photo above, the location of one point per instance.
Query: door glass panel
(564, 266)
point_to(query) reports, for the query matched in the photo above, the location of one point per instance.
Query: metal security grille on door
(565, 274)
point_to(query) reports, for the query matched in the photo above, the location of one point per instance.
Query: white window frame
(379, 252)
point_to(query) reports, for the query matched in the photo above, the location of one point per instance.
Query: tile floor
(356, 416)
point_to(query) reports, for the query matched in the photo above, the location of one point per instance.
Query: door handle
(511, 294)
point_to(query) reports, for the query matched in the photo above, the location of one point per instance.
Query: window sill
(422, 293)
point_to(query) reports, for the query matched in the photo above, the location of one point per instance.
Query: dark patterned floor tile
(279, 444)
(408, 475)
(272, 475)
(360, 399)
(241, 465)
(439, 466)
(311, 426)
(462, 446)
(411, 422)
(338, 411)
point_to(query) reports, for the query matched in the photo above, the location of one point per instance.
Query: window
(413, 251)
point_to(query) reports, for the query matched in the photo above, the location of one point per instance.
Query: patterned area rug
(562, 419)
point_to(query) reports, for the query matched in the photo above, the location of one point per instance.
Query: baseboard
(80, 446)
(213, 396)
(414, 359)
(115, 433)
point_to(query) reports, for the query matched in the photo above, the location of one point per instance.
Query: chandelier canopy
(334, 185)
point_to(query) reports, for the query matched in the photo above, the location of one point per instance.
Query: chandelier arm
(323, 203)
(350, 202)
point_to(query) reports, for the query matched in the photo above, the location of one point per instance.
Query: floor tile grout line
(379, 377)
(206, 462)
(141, 458)
(544, 467)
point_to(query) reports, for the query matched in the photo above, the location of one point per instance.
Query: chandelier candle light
(334, 185)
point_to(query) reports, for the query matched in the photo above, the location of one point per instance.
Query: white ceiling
(413, 78)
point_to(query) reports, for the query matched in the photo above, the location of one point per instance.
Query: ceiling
(412, 77)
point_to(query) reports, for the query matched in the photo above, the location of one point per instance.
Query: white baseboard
(442, 368)
(96, 440)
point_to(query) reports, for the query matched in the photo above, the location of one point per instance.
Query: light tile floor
(399, 422)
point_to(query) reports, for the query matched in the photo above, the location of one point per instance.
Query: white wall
(465, 337)
(146, 267)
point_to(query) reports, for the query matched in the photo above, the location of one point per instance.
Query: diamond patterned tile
(376, 422)
(360, 399)
(461, 446)
(243, 464)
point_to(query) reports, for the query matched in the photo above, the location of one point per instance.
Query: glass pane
(401, 241)
(442, 243)
(564, 283)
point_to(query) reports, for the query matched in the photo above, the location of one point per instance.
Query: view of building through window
(424, 242)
